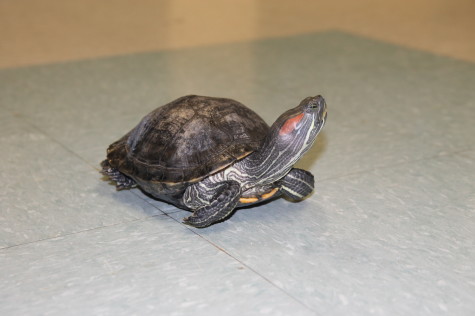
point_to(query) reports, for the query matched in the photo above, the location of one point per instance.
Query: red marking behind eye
(290, 124)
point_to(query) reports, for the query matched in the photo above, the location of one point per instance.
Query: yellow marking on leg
(270, 194)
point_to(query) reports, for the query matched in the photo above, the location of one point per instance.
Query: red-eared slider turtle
(211, 155)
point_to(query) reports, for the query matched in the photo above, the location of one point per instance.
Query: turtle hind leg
(121, 180)
(220, 207)
(297, 184)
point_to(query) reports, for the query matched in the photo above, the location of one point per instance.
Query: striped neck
(289, 138)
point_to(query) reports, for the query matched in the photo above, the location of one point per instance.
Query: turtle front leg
(223, 203)
(297, 184)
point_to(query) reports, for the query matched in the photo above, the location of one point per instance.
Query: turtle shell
(188, 139)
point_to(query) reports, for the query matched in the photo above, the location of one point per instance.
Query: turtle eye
(290, 124)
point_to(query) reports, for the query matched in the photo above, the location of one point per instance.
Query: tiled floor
(389, 230)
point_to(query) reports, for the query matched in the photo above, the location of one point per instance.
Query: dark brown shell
(188, 139)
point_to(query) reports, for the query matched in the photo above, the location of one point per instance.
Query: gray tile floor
(389, 230)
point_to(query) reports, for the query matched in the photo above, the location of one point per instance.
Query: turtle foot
(220, 208)
(121, 180)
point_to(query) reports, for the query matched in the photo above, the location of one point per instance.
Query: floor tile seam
(94, 167)
(137, 219)
(126, 222)
(148, 218)
(27, 120)
(251, 269)
(397, 164)
(227, 253)
(81, 231)
(140, 196)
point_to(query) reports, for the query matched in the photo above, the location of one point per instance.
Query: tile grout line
(144, 219)
(243, 264)
(222, 250)
(72, 233)
(188, 228)
(229, 255)
(154, 206)
(27, 121)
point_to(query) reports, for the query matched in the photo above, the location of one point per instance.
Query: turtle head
(294, 132)
(302, 122)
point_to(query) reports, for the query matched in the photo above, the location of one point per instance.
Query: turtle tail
(121, 180)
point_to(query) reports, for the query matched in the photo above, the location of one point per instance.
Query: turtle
(210, 155)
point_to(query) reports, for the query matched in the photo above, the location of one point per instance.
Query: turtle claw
(187, 221)
(196, 219)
